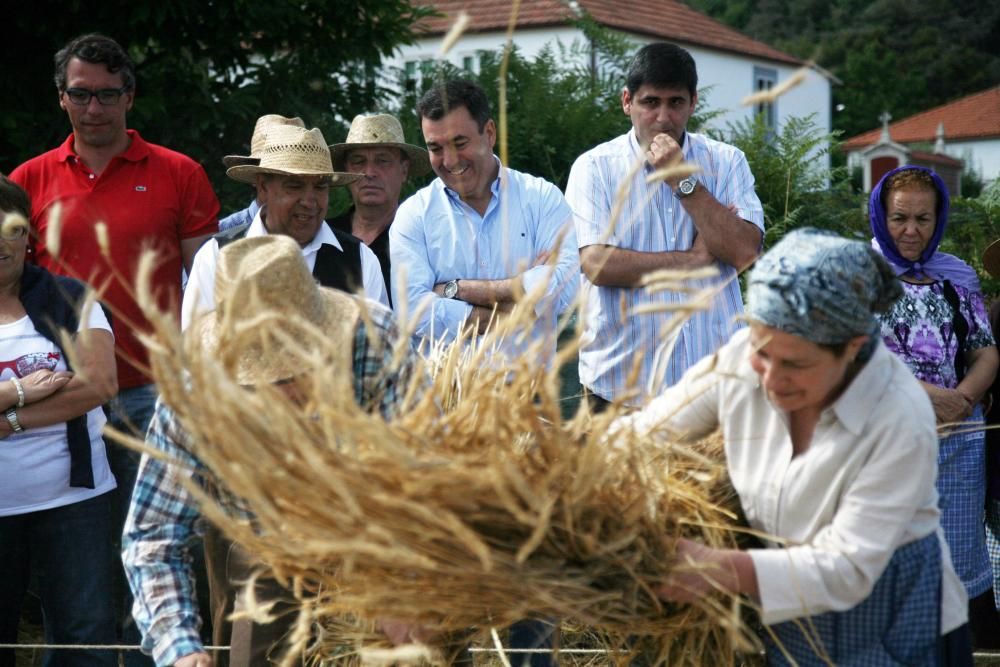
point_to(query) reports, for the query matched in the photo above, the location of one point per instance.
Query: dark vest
(52, 303)
(380, 246)
(337, 269)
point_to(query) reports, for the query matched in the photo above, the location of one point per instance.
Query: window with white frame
(418, 71)
(765, 78)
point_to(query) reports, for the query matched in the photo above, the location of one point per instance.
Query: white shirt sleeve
(562, 279)
(839, 566)
(371, 274)
(838, 511)
(199, 295)
(737, 189)
(95, 319)
(413, 279)
(590, 202)
(686, 411)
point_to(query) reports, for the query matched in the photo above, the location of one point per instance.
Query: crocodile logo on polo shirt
(140, 188)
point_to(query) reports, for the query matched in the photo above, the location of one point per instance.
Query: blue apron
(961, 485)
(898, 624)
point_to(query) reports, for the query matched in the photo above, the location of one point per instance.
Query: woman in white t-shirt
(831, 446)
(55, 484)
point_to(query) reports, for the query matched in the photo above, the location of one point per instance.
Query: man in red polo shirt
(146, 196)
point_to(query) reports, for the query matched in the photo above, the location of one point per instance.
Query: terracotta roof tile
(665, 19)
(935, 158)
(971, 117)
(487, 16)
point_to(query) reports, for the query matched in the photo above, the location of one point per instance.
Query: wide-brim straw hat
(264, 123)
(292, 151)
(377, 131)
(991, 259)
(268, 307)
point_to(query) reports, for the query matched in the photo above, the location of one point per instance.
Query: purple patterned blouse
(919, 330)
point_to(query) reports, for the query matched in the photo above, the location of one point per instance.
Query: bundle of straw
(476, 507)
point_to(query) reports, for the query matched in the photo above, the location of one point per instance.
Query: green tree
(206, 70)
(795, 187)
(903, 56)
(974, 223)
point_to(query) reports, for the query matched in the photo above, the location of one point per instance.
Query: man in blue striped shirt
(481, 233)
(633, 346)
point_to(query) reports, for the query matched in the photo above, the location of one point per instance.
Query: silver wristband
(12, 420)
(20, 391)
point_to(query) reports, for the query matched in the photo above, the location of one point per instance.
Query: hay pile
(476, 507)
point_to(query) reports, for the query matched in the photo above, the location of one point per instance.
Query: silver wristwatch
(686, 187)
(12, 420)
(451, 289)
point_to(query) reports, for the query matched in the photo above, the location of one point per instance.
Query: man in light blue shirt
(627, 228)
(480, 234)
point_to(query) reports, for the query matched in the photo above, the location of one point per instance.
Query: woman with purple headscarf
(940, 329)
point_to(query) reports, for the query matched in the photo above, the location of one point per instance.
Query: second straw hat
(380, 130)
(292, 151)
(264, 123)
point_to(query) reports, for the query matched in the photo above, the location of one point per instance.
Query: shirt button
(482, 264)
(90, 176)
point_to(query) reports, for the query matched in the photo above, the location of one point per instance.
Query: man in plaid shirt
(164, 518)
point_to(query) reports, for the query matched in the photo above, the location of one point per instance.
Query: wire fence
(982, 658)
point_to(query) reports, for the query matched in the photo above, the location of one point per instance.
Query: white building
(969, 130)
(730, 64)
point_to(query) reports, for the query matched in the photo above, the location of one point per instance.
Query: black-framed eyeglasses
(105, 96)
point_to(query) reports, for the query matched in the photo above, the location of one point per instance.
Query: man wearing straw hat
(273, 330)
(293, 179)
(481, 234)
(684, 222)
(264, 123)
(375, 147)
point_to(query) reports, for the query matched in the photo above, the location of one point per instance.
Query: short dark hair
(662, 64)
(442, 98)
(13, 198)
(97, 50)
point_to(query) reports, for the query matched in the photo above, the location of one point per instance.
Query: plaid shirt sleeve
(380, 380)
(155, 546)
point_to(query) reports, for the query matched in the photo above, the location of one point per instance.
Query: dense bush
(793, 181)
(972, 225)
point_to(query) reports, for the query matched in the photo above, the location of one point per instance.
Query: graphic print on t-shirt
(27, 364)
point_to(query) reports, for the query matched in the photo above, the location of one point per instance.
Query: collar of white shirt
(323, 236)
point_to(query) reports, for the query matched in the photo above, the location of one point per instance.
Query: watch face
(686, 186)
(450, 289)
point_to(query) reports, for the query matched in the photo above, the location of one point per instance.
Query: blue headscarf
(931, 263)
(823, 288)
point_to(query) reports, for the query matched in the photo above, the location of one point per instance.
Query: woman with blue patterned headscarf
(940, 329)
(830, 443)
